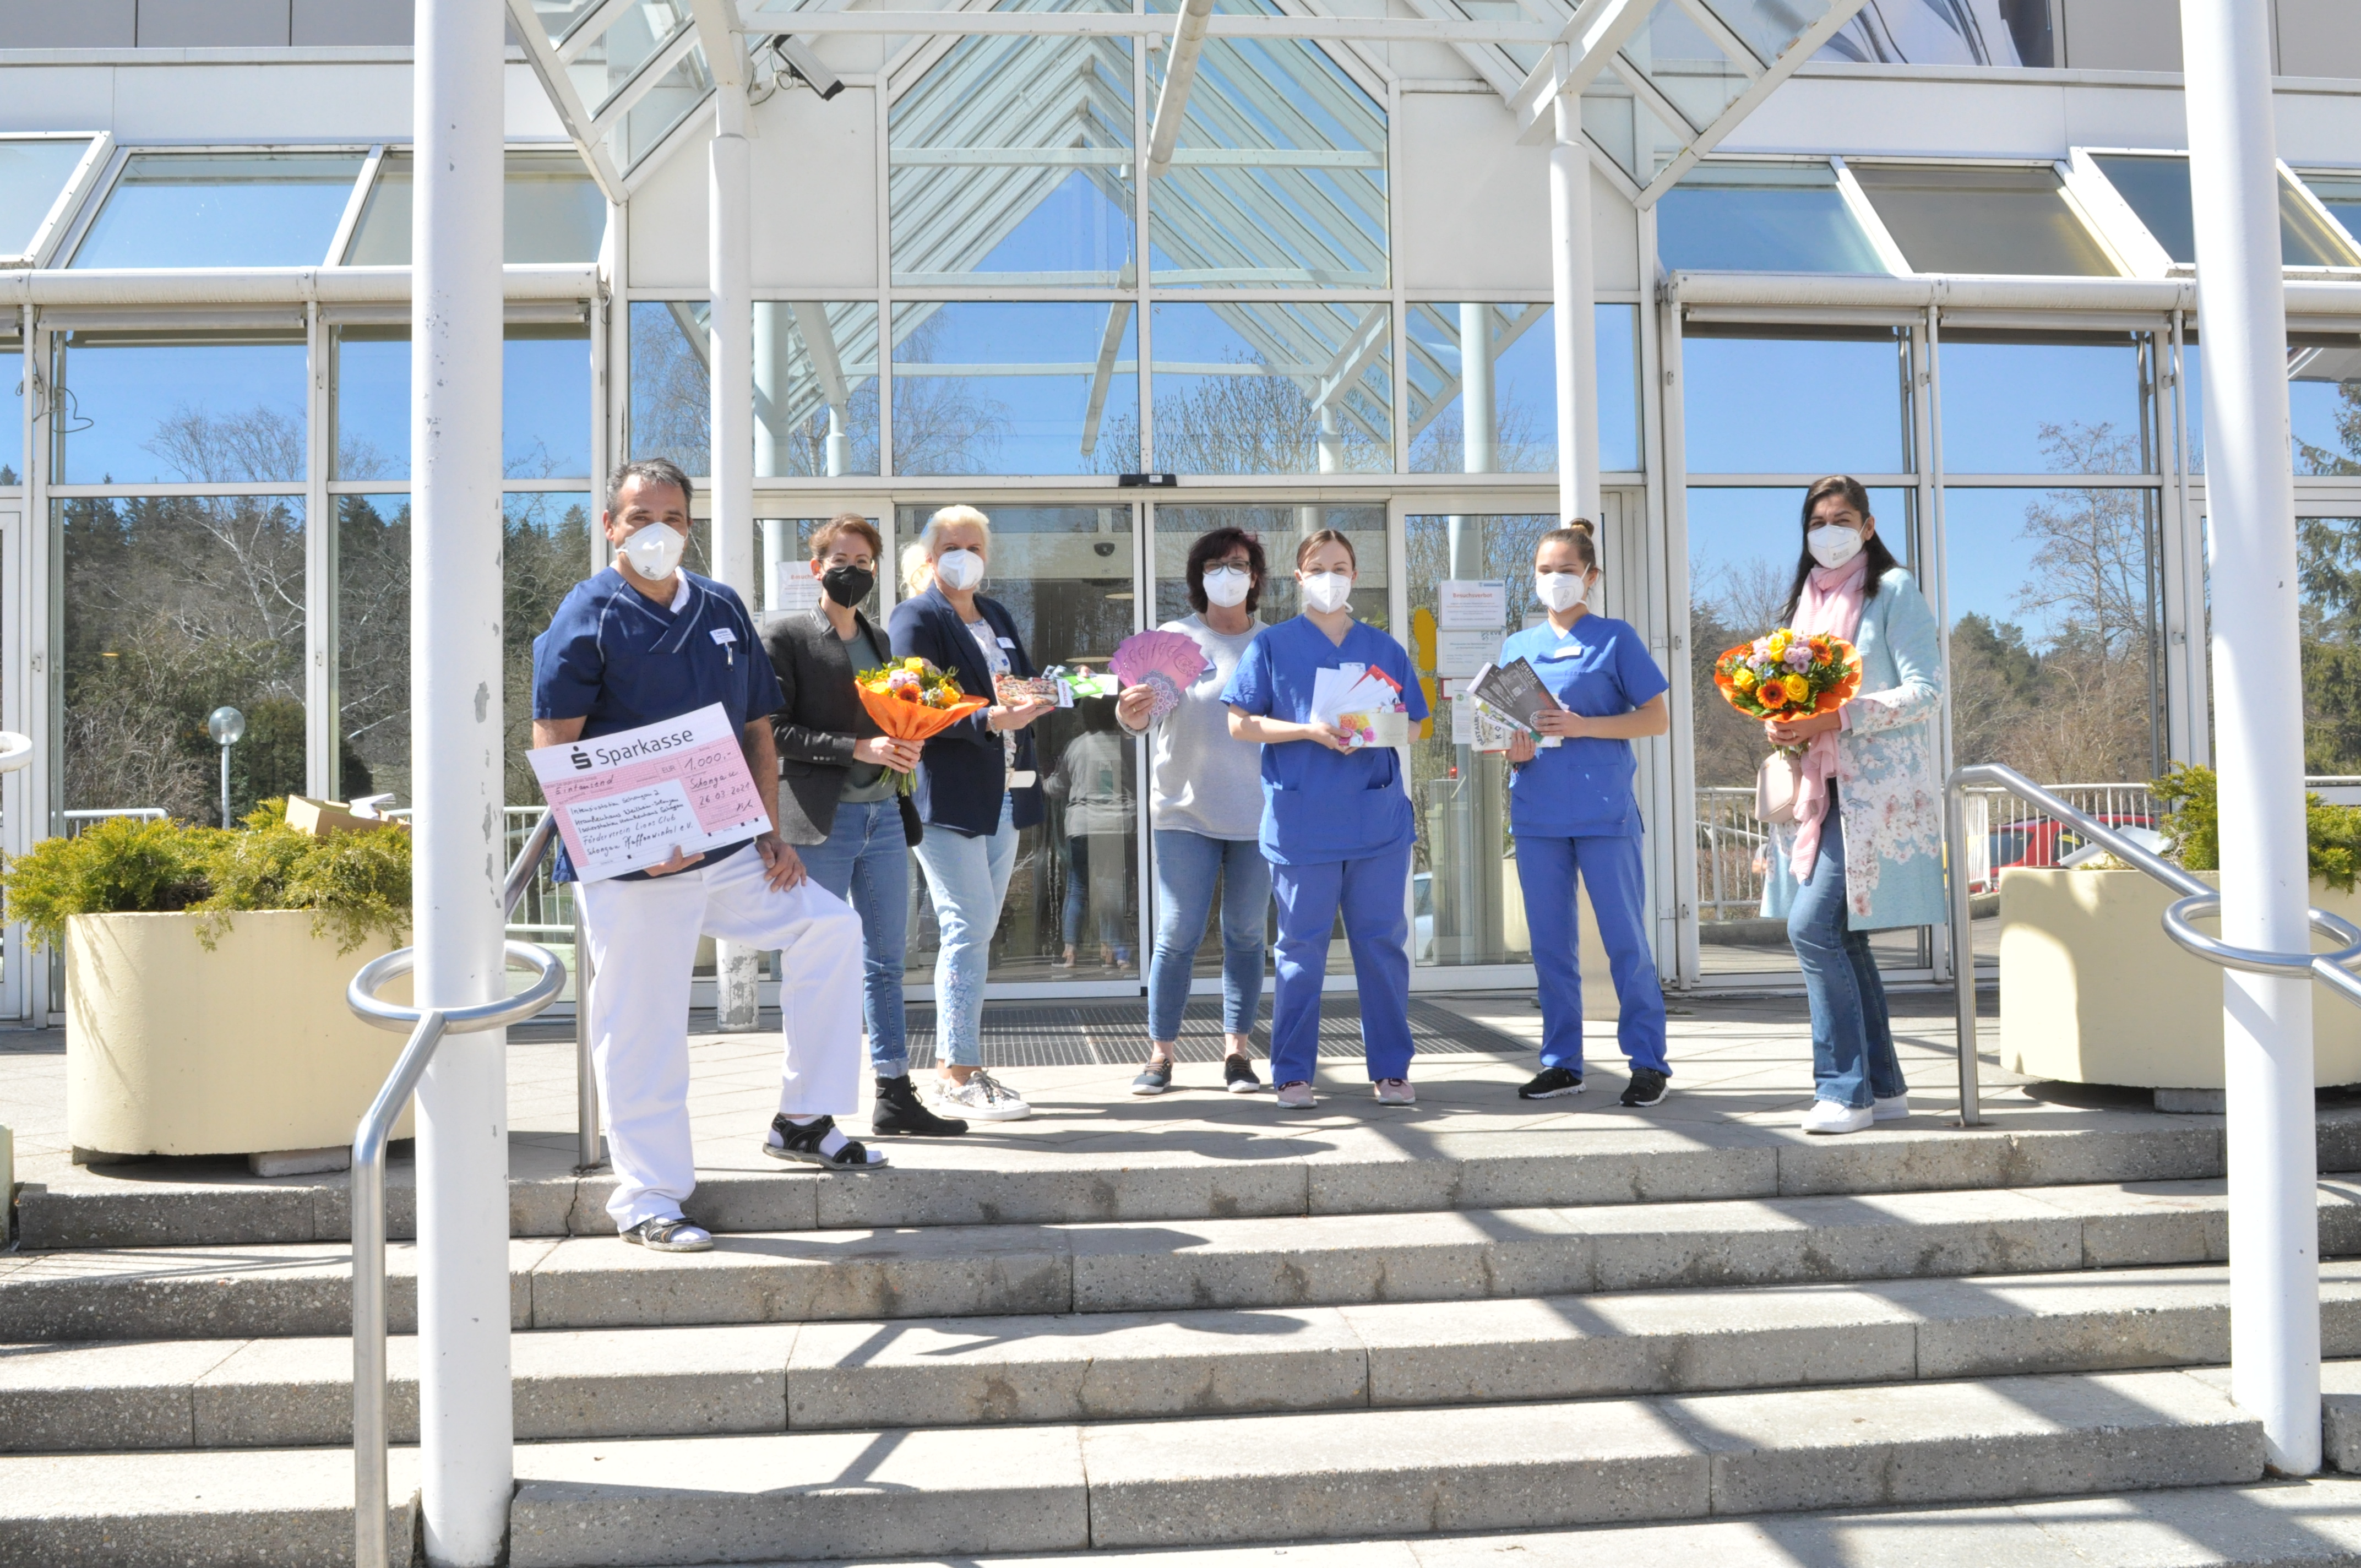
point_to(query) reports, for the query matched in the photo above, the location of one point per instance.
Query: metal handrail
(2197, 902)
(427, 1026)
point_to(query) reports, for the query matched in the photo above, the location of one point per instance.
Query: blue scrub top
(615, 659)
(1320, 806)
(1581, 787)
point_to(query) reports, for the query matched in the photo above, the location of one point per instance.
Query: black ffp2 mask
(848, 586)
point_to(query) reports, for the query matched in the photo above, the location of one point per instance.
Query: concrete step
(1343, 1171)
(256, 1509)
(1122, 1366)
(1328, 1260)
(1334, 1475)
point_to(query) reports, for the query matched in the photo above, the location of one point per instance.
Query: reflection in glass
(1673, 52)
(1032, 388)
(1989, 219)
(2328, 568)
(815, 413)
(1514, 389)
(2341, 194)
(787, 541)
(637, 36)
(1278, 175)
(137, 408)
(545, 410)
(33, 171)
(1273, 389)
(671, 382)
(1065, 574)
(1469, 905)
(202, 210)
(1743, 549)
(1762, 217)
(551, 208)
(12, 411)
(672, 100)
(370, 401)
(172, 606)
(2156, 188)
(1946, 32)
(1842, 402)
(545, 544)
(2050, 403)
(1012, 157)
(2324, 402)
(373, 646)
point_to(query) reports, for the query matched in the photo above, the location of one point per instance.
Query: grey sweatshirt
(1204, 782)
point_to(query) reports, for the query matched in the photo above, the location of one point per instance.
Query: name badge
(1567, 653)
(723, 634)
(1008, 643)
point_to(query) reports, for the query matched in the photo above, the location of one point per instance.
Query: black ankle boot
(901, 1113)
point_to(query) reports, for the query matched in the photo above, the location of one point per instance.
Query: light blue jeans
(1853, 1042)
(967, 878)
(866, 863)
(1186, 867)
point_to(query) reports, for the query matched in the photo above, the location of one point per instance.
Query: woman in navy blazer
(978, 785)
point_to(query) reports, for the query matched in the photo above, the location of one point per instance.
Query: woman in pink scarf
(1868, 819)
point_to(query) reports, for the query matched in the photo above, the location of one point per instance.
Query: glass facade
(1016, 388)
(1994, 219)
(1762, 217)
(33, 175)
(202, 210)
(2155, 187)
(553, 212)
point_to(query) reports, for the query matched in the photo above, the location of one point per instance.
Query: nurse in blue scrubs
(1336, 825)
(1572, 809)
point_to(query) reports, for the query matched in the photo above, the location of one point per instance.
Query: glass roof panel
(1994, 219)
(637, 36)
(1944, 32)
(1768, 26)
(553, 212)
(1683, 64)
(559, 17)
(2341, 194)
(2155, 187)
(212, 210)
(669, 102)
(32, 173)
(1629, 130)
(1762, 217)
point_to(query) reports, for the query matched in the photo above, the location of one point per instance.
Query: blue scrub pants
(1548, 869)
(1370, 892)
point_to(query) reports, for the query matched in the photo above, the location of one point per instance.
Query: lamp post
(227, 725)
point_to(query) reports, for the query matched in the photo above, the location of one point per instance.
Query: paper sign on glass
(626, 801)
(793, 588)
(1471, 604)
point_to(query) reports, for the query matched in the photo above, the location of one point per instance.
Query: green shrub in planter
(2331, 833)
(356, 885)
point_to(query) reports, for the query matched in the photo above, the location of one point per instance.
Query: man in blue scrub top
(641, 643)
(1336, 826)
(1575, 815)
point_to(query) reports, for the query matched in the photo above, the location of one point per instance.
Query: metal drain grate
(1113, 1033)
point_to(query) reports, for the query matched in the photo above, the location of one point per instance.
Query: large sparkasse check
(625, 801)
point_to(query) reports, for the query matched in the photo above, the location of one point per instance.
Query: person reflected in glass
(838, 800)
(1865, 853)
(1204, 816)
(1576, 818)
(978, 787)
(1336, 825)
(1089, 781)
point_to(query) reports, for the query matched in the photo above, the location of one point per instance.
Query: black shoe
(1155, 1078)
(901, 1113)
(1238, 1076)
(1552, 1083)
(803, 1144)
(1648, 1086)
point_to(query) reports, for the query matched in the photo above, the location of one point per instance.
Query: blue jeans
(1368, 894)
(1078, 894)
(1852, 1043)
(1186, 866)
(1547, 870)
(967, 878)
(866, 863)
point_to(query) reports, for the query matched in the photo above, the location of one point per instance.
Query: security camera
(1104, 547)
(798, 57)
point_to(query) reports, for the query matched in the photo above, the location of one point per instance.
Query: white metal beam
(576, 114)
(1179, 75)
(1746, 102)
(1344, 372)
(1580, 51)
(1109, 25)
(643, 80)
(591, 28)
(1103, 373)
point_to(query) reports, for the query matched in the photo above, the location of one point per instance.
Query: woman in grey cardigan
(838, 803)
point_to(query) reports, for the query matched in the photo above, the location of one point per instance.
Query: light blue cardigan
(1887, 781)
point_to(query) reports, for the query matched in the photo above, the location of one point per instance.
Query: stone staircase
(1656, 1327)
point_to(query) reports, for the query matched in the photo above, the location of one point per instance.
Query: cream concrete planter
(2092, 990)
(247, 1049)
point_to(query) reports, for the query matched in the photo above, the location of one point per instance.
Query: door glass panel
(1467, 904)
(1066, 574)
(1743, 545)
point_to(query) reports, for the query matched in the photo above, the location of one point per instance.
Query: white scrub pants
(643, 938)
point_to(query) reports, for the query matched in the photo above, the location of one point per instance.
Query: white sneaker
(1828, 1117)
(981, 1098)
(1891, 1109)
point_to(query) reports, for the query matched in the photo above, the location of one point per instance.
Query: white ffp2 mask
(1228, 586)
(655, 551)
(1327, 591)
(959, 570)
(1560, 590)
(1831, 545)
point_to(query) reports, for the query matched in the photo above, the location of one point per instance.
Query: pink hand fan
(1165, 661)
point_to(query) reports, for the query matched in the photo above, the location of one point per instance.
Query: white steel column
(2265, 1019)
(1573, 294)
(729, 262)
(465, 1420)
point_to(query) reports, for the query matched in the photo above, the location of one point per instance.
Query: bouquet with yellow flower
(912, 700)
(1789, 675)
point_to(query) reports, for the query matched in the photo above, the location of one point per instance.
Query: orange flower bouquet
(1789, 675)
(912, 700)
